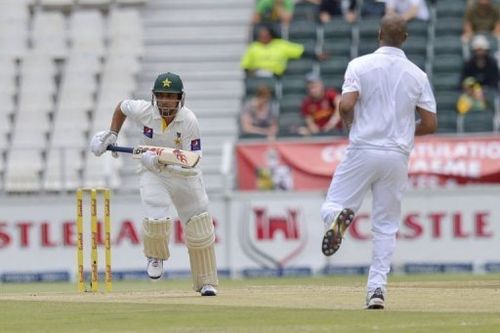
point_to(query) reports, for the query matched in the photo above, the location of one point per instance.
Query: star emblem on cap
(166, 83)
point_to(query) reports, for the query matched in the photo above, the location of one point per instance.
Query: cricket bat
(166, 155)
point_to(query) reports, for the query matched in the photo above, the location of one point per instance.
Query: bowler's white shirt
(182, 133)
(390, 88)
(401, 6)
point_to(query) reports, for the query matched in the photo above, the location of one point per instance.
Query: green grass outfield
(417, 303)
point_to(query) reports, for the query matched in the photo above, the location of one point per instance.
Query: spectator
(273, 11)
(480, 17)
(320, 108)
(258, 118)
(472, 98)
(408, 9)
(481, 66)
(268, 55)
(334, 8)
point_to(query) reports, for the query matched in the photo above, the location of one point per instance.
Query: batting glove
(150, 161)
(101, 141)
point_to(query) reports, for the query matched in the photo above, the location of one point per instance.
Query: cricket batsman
(167, 122)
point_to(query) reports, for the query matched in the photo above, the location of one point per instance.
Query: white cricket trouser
(159, 191)
(385, 173)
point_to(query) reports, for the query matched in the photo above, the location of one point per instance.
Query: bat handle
(121, 149)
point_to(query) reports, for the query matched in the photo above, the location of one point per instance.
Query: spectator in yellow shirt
(268, 56)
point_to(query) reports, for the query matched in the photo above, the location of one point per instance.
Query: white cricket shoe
(155, 268)
(208, 290)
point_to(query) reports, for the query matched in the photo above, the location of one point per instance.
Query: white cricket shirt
(182, 133)
(390, 88)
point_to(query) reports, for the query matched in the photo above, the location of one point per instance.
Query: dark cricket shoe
(333, 236)
(375, 300)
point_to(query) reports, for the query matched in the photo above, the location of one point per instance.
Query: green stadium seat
(447, 122)
(447, 44)
(337, 29)
(299, 66)
(417, 59)
(289, 124)
(336, 65)
(333, 81)
(415, 45)
(450, 8)
(251, 84)
(293, 84)
(446, 81)
(417, 28)
(449, 26)
(338, 46)
(291, 103)
(309, 45)
(446, 101)
(448, 63)
(302, 30)
(478, 122)
(305, 11)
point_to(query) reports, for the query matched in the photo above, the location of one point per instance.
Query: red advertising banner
(435, 162)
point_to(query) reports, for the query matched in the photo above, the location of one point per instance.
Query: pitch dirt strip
(431, 296)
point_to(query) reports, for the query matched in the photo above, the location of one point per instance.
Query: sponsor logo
(273, 240)
(148, 132)
(195, 144)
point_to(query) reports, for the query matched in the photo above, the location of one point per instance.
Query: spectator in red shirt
(320, 108)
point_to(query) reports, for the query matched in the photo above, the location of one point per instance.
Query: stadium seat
(305, 11)
(293, 84)
(478, 122)
(289, 123)
(336, 65)
(446, 101)
(417, 28)
(415, 45)
(333, 80)
(450, 8)
(49, 33)
(447, 44)
(251, 84)
(23, 169)
(418, 59)
(64, 165)
(446, 81)
(448, 63)
(447, 122)
(299, 66)
(291, 103)
(302, 30)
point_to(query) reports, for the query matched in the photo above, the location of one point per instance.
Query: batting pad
(155, 237)
(200, 238)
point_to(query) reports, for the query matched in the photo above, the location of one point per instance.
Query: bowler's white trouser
(185, 192)
(385, 173)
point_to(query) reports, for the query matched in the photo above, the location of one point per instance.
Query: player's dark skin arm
(346, 108)
(427, 124)
(118, 119)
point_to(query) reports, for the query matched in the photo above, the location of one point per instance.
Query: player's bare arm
(427, 124)
(118, 119)
(346, 108)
